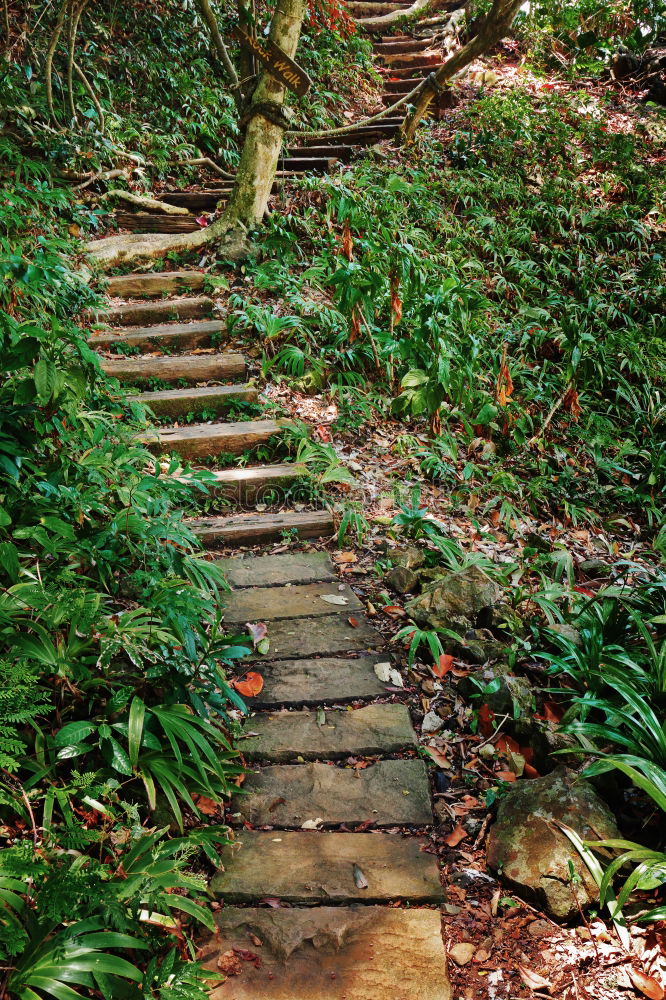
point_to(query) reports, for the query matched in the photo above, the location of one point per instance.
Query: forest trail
(338, 766)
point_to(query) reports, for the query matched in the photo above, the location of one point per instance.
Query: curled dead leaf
(533, 980)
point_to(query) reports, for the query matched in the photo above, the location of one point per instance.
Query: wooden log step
(368, 8)
(343, 152)
(260, 864)
(315, 682)
(278, 571)
(328, 636)
(136, 286)
(144, 313)
(396, 47)
(280, 737)
(148, 338)
(191, 368)
(269, 484)
(409, 72)
(336, 952)
(398, 87)
(398, 37)
(389, 99)
(406, 60)
(203, 440)
(210, 398)
(389, 793)
(313, 164)
(143, 222)
(312, 600)
(255, 529)
(198, 201)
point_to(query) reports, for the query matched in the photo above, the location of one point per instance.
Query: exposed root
(145, 202)
(419, 7)
(137, 248)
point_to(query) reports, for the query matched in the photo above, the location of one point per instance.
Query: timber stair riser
(247, 487)
(206, 440)
(260, 529)
(153, 285)
(179, 402)
(183, 367)
(144, 313)
(154, 338)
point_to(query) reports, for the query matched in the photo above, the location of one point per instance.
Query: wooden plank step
(328, 636)
(280, 570)
(260, 864)
(409, 72)
(255, 529)
(198, 201)
(299, 601)
(336, 952)
(406, 60)
(281, 737)
(143, 313)
(394, 48)
(191, 368)
(399, 87)
(134, 286)
(343, 152)
(149, 338)
(388, 793)
(312, 682)
(210, 398)
(312, 164)
(143, 222)
(369, 8)
(389, 99)
(269, 484)
(203, 440)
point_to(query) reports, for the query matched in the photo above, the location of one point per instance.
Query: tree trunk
(420, 7)
(490, 30)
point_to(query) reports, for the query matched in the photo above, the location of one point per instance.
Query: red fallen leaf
(207, 806)
(533, 980)
(460, 673)
(486, 717)
(202, 220)
(457, 834)
(251, 686)
(528, 754)
(394, 611)
(323, 433)
(505, 775)
(257, 632)
(552, 712)
(648, 985)
(347, 242)
(506, 744)
(439, 758)
(248, 956)
(353, 622)
(443, 665)
(529, 771)
(271, 901)
(571, 403)
(585, 591)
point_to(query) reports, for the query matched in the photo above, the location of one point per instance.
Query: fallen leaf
(506, 744)
(486, 717)
(360, 881)
(394, 611)
(459, 833)
(257, 631)
(251, 686)
(439, 758)
(388, 674)
(229, 964)
(321, 717)
(505, 775)
(323, 433)
(312, 824)
(443, 665)
(275, 803)
(202, 220)
(334, 599)
(529, 771)
(345, 557)
(209, 807)
(353, 622)
(647, 985)
(533, 980)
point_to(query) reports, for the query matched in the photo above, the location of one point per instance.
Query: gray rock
(567, 632)
(454, 599)
(533, 856)
(503, 621)
(402, 580)
(432, 723)
(536, 541)
(410, 557)
(512, 695)
(594, 567)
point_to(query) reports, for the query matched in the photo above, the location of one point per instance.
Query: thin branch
(206, 13)
(50, 52)
(92, 95)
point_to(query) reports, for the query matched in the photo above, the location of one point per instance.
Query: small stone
(539, 929)
(583, 934)
(567, 632)
(432, 723)
(410, 557)
(454, 599)
(402, 579)
(462, 953)
(594, 568)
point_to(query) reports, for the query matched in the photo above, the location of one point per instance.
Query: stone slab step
(277, 571)
(212, 398)
(389, 793)
(134, 286)
(203, 440)
(189, 367)
(144, 222)
(263, 604)
(262, 864)
(148, 338)
(144, 313)
(332, 952)
(284, 736)
(321, 637)
(313, 682)
(269, 484)
(255, 529)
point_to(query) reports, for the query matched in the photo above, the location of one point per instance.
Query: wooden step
(255, 529)
(307, 600)
(204, 440)
(143, 222)
(334, 152)
(278, 571)
(409, 72)
(399, 87)
(153, 338)
(312, 164)
(369, 8)
(135, 286)
(281, 737)
(205, 200)
(191, 368)
(407, 60)
(268, 484)
(144, 313)
(394, 48)
(259, 864)
(211, 398)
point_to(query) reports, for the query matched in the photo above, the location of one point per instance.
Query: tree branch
(207, 15)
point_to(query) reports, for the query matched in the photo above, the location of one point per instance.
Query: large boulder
(534, 856)
(454, 599)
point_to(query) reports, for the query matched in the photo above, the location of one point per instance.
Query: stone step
(211, 398)
(389, 793)
(332, 952)
(135, 286)
(283, 736)
(319, 867)
(343, 152)
(256, 529)
(204, 440)
(269, 484)
(191, 368)
(147, 338)
(300, 601)
(278, 571)
(144, 222)
(310, 682)
(326, 636)
(144, 313)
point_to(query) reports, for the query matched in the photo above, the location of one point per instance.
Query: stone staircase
(330, 891)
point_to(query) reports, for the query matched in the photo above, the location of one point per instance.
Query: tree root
(145, 202)
(137, 248)
(386, 20)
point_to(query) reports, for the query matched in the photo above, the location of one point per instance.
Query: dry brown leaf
(533, 980)
(459, 833)
(647, 985)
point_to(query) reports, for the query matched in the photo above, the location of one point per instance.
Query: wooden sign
(276, 62)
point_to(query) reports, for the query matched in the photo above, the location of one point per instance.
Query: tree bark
(490, 30)
(419, 7)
